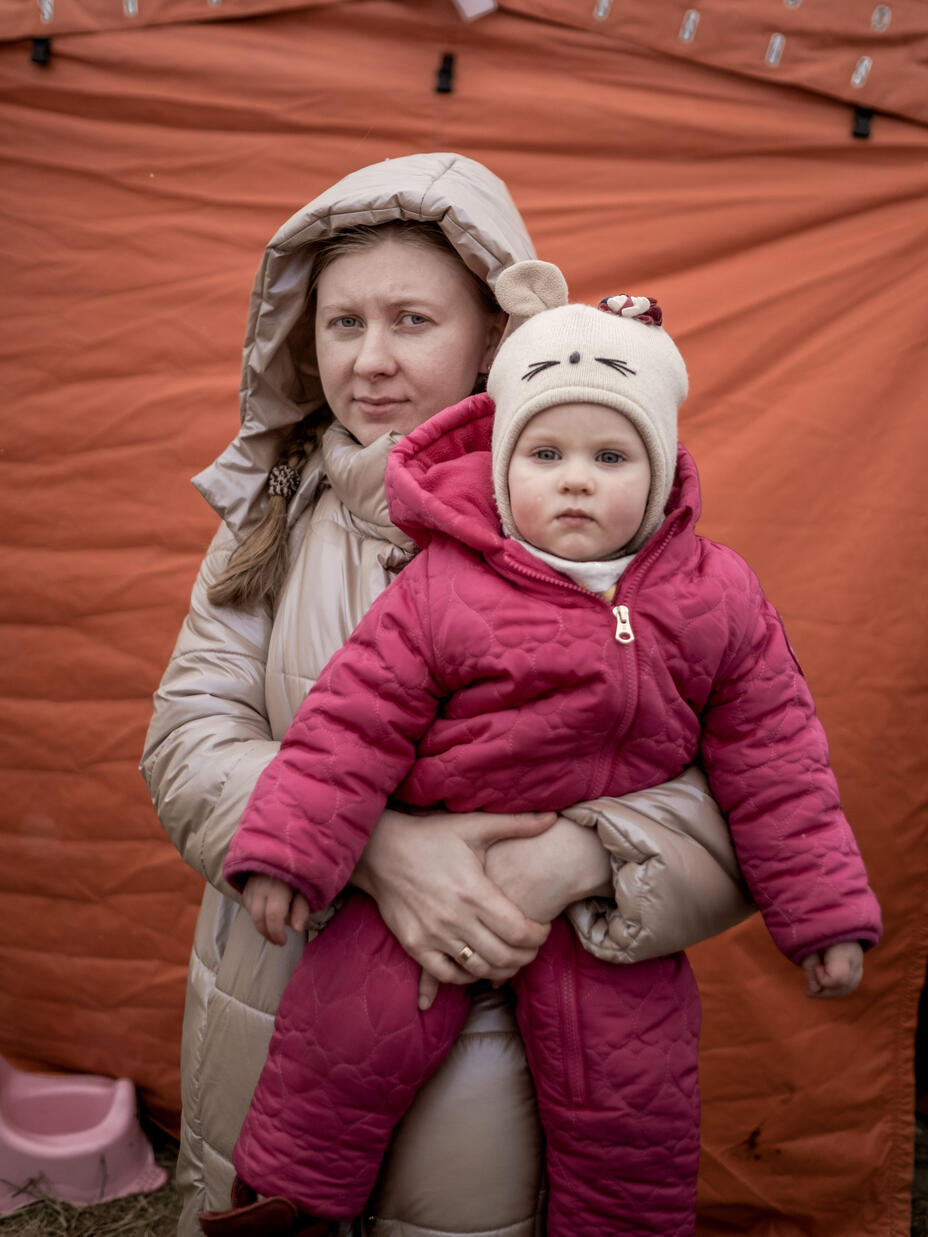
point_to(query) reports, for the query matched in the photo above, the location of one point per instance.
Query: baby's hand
(835, 971)
(272, 904)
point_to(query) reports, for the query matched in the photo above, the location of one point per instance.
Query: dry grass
(142, 1215)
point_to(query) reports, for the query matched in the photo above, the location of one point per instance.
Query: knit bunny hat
(569, 354)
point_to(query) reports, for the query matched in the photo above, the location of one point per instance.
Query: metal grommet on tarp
(470, 10)
(688, 26)
(41, 51)
(774, 53)
(861, 71)
(881, 17)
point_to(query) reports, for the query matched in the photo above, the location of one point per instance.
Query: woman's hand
(545, 873)
(426, 875)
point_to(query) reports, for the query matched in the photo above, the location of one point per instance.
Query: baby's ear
(527, 288)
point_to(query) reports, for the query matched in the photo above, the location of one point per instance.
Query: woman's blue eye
(415, 319)
(347, 320)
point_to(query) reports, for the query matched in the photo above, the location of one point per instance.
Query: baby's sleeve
(767, 760)
(351, 743)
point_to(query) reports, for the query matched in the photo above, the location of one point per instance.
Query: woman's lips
(382, 406)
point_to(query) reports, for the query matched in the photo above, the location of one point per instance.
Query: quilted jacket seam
(196, 1126)
(224, 888)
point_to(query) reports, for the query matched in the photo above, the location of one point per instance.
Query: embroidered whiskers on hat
(617, 355)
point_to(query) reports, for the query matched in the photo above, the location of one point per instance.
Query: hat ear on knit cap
(617, 355)
(527, 288)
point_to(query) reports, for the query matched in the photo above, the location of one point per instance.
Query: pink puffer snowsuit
(482, 679)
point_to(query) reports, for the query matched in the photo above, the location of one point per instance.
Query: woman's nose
(375, 356)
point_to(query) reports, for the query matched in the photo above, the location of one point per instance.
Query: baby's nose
(575, 475)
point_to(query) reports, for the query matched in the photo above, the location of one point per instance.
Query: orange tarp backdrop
(141, 172)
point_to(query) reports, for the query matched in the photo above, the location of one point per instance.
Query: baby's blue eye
(610, 457)
(545, 453)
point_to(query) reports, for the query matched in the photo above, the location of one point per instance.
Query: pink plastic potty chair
(74, 1137)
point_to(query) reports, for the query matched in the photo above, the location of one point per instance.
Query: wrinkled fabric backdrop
(687, 154)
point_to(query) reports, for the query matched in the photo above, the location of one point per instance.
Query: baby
(571, 639)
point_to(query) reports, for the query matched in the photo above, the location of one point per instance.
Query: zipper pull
(623, 628)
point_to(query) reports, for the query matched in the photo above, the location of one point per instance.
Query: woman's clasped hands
(468, 896)
(491, 882)
(427, 876)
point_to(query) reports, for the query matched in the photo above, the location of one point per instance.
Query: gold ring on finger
(464, 954)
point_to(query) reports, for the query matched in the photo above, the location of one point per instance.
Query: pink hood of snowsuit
(483, 679)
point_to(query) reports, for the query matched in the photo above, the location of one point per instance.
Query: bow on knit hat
(575, 354)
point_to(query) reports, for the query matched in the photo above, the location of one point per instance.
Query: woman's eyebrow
(396, 301)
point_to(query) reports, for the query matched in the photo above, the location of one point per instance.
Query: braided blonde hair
(257, 568)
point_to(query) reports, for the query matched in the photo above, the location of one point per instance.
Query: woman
(261, 627)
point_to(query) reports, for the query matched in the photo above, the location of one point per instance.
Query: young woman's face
(579, 480)
(400, 334)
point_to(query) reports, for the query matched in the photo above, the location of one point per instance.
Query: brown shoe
(250, 1216)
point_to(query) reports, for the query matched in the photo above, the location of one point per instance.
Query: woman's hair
(258, 566)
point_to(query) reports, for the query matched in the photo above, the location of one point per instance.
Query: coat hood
(440, 482)
(280, 383)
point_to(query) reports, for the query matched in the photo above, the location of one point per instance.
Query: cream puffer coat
(233, 684)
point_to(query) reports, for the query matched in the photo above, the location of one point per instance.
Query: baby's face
(579, 479)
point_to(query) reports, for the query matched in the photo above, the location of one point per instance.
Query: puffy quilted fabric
(482, 679)
(350, 1050)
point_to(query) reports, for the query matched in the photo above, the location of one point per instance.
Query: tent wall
(141, 173)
